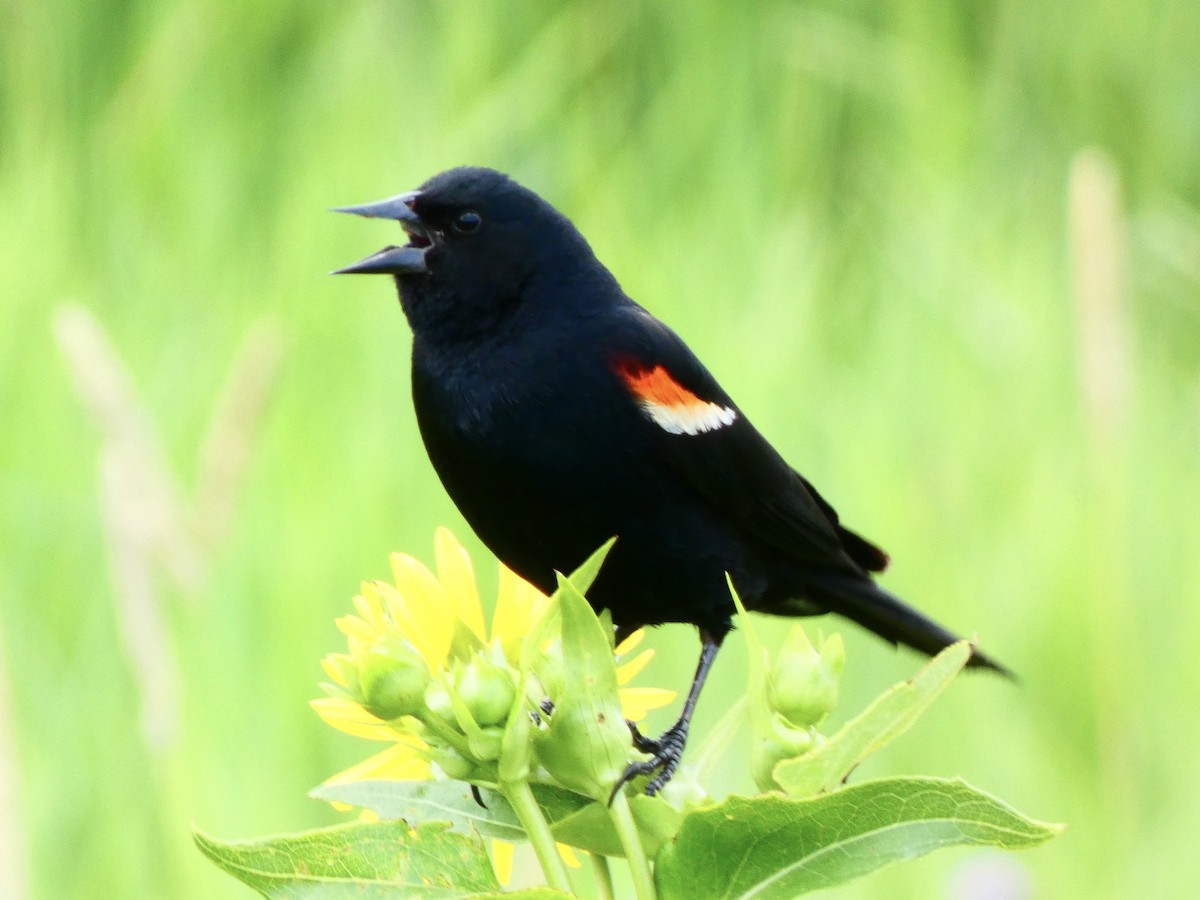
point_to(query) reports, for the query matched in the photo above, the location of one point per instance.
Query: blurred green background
(946, 256)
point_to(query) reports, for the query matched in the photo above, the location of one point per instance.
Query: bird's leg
(667, 750)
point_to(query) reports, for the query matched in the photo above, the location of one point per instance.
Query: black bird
(558, 413)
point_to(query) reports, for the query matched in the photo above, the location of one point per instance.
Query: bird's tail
(863, 601)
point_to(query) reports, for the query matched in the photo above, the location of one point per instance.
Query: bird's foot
(665, 754)
(641, 743)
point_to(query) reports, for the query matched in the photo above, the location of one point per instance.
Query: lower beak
(389, 261)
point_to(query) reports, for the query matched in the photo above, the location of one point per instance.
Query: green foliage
(549, 625)
(775, 847)
(586, 745)
(445, 801)
(824, 768)
(382, 859)
(769, 846)
(591, 827)
(573, 818)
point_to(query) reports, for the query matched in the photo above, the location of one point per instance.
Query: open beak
(406, 260)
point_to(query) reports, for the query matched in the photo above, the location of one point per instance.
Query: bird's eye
(467, 221)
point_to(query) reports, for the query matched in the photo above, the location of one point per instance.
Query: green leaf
(757, 661)
(431, 801)
(591, 828)
(377, 860)
(516, 745)
(451, 801)
(573, 818)
(892, 713)
(537, 893)
(773, 847)
(581, 579)
(548, 625)
(716, 743)
(586, 745)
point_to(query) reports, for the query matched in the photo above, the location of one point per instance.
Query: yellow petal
(332, 664)
(636, 702)
(627, 671)
(502, 861)
(506, 600)
(413, 578)
(518, 606)
(408, 626)
(401, 762)
(568, 855)
(630, 642)
(367, 605)
(347, 716)
(458, 580)
(418, 607)
(425, 600)
(355, 628)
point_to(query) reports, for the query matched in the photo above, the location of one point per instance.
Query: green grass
(856, 213)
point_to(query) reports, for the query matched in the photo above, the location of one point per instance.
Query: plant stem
(631, 841)
(448, 735)
(604, 882)
(525, 806)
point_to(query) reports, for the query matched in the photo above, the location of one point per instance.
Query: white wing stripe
(693, 418)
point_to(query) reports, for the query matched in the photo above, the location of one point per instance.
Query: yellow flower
(434, 615)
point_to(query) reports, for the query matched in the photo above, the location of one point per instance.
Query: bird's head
(476, 238)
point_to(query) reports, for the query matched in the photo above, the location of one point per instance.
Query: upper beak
(398, 208)
(407, 260)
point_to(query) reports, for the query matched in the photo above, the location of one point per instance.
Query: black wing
(700, 433)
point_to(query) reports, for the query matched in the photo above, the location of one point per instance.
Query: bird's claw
(666, 752)
(641, 743)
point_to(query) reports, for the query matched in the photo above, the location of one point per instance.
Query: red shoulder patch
(655, 385)
(669, 404)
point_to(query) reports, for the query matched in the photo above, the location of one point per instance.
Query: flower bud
(548, 667)
(803, 683)
(581, 750)
(516, 748)
(486, 745)
(585, 745)
(487, 690)
(452, 763)
(438, 702)
(392, 684)
(779, 741)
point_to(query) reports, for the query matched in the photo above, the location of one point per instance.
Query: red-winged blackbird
(559, 413)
